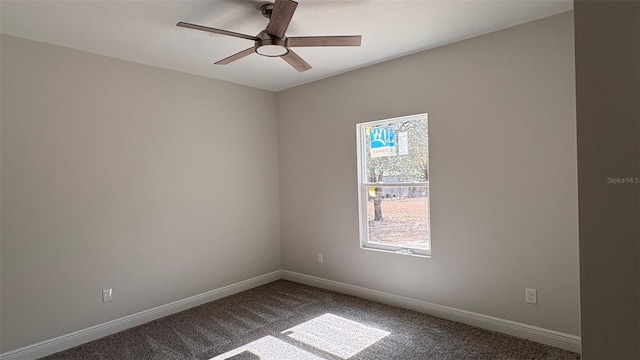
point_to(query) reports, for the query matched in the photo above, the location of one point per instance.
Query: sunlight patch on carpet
(267, 348)
(336, 335)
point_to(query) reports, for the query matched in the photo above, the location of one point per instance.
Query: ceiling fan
(272, 41)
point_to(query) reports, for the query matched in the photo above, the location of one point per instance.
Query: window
(393, 185)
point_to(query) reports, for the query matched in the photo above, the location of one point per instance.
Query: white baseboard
(60, 343)
(525, 331)
(76, 338)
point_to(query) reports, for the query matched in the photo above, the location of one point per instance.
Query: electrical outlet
(531, 296)
(320, 259)
(107, 295)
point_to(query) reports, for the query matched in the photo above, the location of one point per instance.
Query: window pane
(396, 150)
(398, 216)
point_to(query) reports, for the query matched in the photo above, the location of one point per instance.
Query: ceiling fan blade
(281, 17)
(216, 31)
(296, 61)
(302, 41)
(236, 56)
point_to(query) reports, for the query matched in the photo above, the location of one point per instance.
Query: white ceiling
(146, 31)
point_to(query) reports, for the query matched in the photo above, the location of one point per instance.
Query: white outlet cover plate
(107, 295)
(531, 295)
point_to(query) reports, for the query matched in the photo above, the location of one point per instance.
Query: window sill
(397, 252)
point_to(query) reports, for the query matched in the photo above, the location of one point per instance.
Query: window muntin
(393, 182)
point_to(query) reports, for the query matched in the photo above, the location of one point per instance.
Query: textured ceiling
(146, 31)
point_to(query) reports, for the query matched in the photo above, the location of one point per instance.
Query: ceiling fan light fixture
(271, 47)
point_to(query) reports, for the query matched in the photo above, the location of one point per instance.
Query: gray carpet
(286, 320)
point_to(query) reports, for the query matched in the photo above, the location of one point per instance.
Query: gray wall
(503, 174)
(159, 184)
(607, 37)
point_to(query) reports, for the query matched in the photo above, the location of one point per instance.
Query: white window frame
(364, 184)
